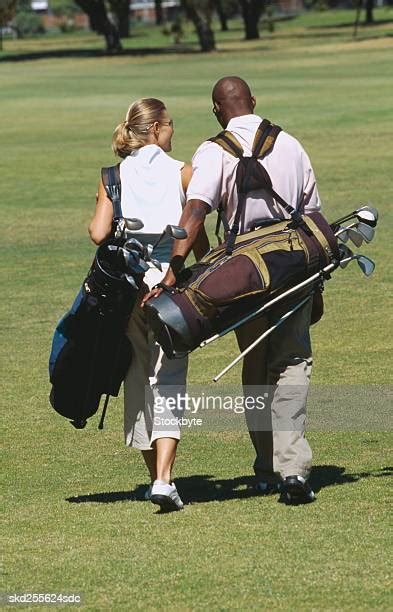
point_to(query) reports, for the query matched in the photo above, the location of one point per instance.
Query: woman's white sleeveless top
(151, 188)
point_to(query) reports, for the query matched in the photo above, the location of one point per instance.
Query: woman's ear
(156, 129)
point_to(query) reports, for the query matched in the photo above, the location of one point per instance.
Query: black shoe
(295, 491)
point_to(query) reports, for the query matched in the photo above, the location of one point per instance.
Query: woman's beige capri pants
(150, 380)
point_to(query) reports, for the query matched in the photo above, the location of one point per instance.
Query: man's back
(288, 165)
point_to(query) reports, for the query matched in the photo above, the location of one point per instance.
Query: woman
(153, 190)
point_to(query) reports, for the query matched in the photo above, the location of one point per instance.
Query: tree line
(110, 18)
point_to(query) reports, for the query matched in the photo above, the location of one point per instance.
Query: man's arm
(192, 219)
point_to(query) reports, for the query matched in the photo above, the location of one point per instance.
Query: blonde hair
(132, 133)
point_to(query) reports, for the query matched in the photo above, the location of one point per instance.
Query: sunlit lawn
(229, 549)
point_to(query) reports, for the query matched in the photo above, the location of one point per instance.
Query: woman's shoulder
(171, 160)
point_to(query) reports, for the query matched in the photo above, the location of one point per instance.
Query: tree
(251, 11)
(100, 23)
(158, 9)
(200, 12)
(121, 13)
(369, 20)
(7, 12)
(369, 12)
(221, 15)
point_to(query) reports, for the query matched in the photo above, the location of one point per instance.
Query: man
(283, 455)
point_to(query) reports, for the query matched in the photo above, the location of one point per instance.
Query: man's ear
(253, 101)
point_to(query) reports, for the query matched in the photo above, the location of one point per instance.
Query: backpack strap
(112, 183)
(265, 138)
(231, 145)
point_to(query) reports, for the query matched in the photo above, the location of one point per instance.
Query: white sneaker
(166, 496)
(148, 492)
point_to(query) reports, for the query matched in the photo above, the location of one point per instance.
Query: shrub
(27, 23)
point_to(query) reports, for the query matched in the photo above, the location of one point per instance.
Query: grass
(74, 515)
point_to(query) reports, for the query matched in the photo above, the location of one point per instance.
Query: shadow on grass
(203, 488)
(349, 24)
(95, 53)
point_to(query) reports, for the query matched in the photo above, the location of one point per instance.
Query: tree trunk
(251, 11)
(99, 22)
(200, 14)
(357, 18)
(369, 12)
(159, 14)
(221, 15)
(121, 12)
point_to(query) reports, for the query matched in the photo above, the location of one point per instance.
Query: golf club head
(367, 231)
(350, 233)
(346, 255)
(366, 264)
(343, 237)
(133, 243)
(133, 225)
(112, 247)
(135, 263)
(175, 231)
(368, 214)
(355, 236)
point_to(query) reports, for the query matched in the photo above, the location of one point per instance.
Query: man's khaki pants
(284, 362)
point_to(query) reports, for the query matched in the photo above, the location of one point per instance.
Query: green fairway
(75, 520)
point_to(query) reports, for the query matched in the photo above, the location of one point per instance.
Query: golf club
(366, 232)
(350, 233)
(366, 214)
(366, 264)
(134, 262)
(174, 231)
(133, 225)
(127, 225)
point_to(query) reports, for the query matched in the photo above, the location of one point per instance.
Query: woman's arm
(101, 224)
(201, 244)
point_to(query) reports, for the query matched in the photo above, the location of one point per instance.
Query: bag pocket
(238, 277)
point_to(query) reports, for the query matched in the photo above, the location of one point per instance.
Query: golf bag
(90, 351)
(246, 270)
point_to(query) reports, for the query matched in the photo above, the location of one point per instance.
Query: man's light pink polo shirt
(289, 167)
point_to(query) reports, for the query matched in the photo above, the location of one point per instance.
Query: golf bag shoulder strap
(112, 183)
(229, 143)
(265, 138)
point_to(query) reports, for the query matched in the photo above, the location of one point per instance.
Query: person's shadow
(203, 488)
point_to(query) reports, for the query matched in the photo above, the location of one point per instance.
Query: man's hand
(169, 279)
(192, 220)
